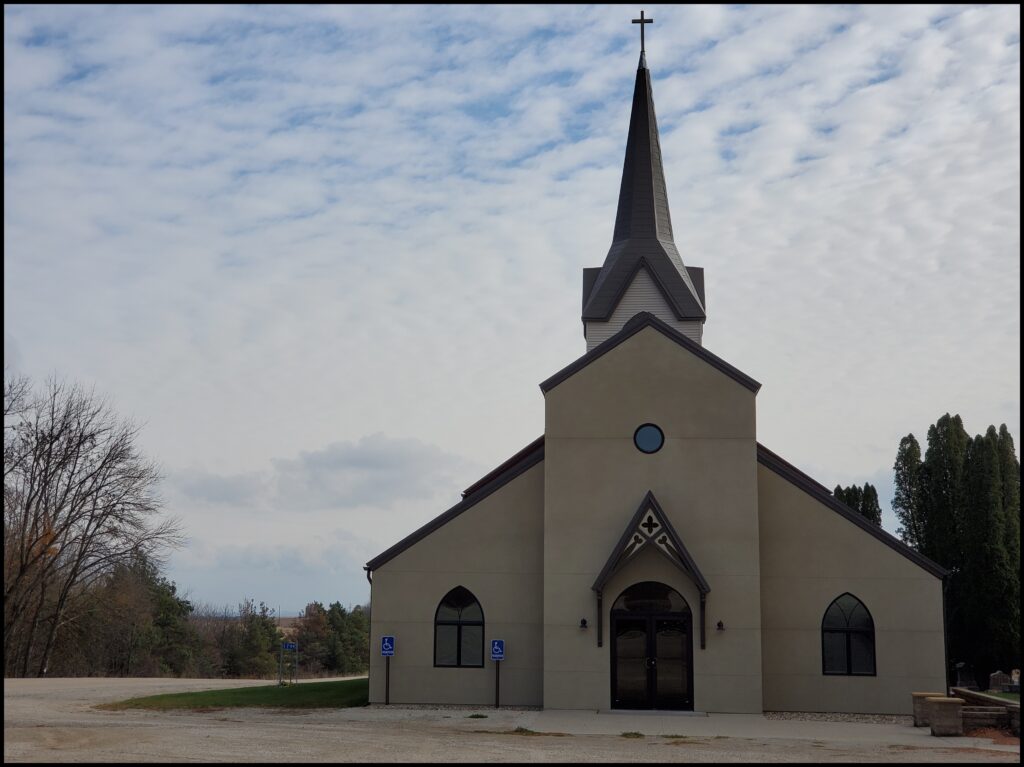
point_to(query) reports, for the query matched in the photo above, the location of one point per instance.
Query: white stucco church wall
(647, 551)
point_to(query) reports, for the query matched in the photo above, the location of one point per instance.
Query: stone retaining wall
(980, 699)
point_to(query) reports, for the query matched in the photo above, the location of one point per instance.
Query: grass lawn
(1014, 696)
(342, 694)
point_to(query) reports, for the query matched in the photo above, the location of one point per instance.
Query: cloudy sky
(325, 254)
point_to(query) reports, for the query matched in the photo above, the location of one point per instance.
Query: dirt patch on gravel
(998, 737)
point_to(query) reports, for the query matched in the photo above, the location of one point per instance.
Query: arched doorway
(652, 649)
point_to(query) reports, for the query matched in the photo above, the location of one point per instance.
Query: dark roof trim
(819, 492)
(697, 278)
(647, 266)
(650, 503)
(666, 268)
(631, 328)
(531, 456)
(590, 274)
(537, 444)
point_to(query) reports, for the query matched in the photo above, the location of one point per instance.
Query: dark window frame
(636, 444)
(846, 633)
(459, 623)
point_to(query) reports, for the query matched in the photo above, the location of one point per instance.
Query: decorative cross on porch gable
(650, 526)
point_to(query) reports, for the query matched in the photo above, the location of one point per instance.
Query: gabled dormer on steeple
(643, 271)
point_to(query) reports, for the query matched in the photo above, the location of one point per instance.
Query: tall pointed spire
(643, 199)
(643, 226)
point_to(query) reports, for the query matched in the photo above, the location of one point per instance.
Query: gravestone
(997, 680)
(965, 677)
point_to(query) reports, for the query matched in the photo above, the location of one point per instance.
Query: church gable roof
(643, 225)
(491, 482)
(635, 325)
(650, 527)
(819, 492)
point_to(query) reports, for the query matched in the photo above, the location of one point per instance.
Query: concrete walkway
(744, 726)
(654, 724)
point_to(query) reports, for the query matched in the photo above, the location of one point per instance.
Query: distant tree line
(84, 541)
(133, 622)
(334, 639)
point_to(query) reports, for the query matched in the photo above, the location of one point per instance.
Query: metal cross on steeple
(641, 21)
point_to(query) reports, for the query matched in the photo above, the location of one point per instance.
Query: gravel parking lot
(56, 720)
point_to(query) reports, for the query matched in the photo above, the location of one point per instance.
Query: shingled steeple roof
(643, 226)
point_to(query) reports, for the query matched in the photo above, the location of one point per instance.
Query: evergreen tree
(869, 506)
(942, 501)
(960, 507)
(1009, 474)
(849, 495)
(862, 500)
(313, 635)
(906, 501)
(250, 646)
(942, 496)
(984, 579)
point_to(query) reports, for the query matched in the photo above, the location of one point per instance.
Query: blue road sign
(497, 649)
(290, 646)
(387, 646)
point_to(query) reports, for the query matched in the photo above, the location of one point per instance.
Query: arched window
(848, 638)
(459, 630)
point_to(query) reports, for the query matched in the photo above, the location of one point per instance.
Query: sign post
(387, 649)
(294, 647)
(497, 655)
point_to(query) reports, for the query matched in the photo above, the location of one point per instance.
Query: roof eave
(532, 455)
(819, 492)
(635, 325)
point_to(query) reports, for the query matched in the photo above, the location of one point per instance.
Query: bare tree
(79, 498)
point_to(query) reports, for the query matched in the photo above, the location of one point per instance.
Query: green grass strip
(1014, 696)
(341, 694)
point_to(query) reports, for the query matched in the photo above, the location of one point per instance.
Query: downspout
(945, 633)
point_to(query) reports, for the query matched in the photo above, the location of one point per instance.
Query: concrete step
(985, 716)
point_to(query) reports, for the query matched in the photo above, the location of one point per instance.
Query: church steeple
(643, 199)
(643, 248)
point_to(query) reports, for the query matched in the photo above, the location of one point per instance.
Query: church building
(646, 551)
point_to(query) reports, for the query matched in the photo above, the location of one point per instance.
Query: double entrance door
(652, 661)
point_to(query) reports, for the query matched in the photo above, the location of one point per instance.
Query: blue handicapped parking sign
(387, 646)
(497, 649)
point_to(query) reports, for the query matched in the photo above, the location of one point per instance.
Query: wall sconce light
(583, 623)
(721, 626)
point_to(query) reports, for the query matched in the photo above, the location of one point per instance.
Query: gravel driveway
(55, 720)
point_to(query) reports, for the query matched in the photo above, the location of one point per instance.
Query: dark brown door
(672, 659)
(631, 663)
(652, 663)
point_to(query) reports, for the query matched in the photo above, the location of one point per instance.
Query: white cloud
(264, 231)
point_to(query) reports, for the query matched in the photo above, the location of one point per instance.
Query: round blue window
(648, 438)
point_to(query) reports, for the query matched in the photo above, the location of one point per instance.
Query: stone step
(985, 716)
(984, 710)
